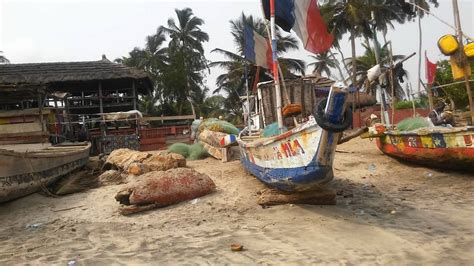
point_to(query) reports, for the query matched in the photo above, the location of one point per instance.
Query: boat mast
(461, 55)
(275, 66)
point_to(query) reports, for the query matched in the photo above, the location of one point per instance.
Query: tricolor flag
(304, 17)
(257, 49)
(430, 71)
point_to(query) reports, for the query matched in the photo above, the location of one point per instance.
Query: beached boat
(439, 147)
(301, 158)
(27, 168)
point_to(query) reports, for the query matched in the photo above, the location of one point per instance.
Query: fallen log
(322, 196)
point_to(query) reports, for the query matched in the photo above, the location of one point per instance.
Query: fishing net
(272, 130)
(190, 152)
(410, 124)
(180, 148)
(197, 151)
(214, 124)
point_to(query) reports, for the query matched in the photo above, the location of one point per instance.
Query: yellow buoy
(469, 49)
(458, 71)
(448, 44)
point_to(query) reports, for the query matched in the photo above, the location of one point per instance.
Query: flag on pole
(257, 49)
(304, 17)
(430, 71)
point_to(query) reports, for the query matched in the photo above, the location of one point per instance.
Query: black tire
(324, 123)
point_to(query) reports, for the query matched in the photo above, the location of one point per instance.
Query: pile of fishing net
(272, 130)
(195, 151)
(216, 125)
(410, 124)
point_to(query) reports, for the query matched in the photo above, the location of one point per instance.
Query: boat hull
(298, 160)
(447, 150)
(23, 173)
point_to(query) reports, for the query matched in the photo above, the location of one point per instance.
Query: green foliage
(3, 59)
(178, 70)
(232, 82)
(457, 92)
(419, 103)
(412, 123)
(213, 106)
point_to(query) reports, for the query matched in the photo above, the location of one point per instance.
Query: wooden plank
(165, 118)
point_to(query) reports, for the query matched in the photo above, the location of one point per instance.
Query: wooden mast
(461, 55)
(275, 66)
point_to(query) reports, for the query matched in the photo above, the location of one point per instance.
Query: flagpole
(275, 66)
(248, 99)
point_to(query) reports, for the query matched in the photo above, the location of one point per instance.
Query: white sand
(398, 214)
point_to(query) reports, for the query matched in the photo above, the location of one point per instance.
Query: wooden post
(101, 104)
(430, 96)
(40, 109)
(134, 95)
(462, 56)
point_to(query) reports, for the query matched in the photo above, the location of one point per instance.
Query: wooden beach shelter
(76, 91)
(92, 87)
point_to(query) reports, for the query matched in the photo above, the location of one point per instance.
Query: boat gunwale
(46, 153)
(311, 125)
(425, 133)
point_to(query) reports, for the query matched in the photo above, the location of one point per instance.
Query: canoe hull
(23, 173)
(298, 160)
(450, 150)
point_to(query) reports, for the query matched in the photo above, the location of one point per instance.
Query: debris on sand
(236, 247)
(162, 188)
(111, 177)
(77, 181)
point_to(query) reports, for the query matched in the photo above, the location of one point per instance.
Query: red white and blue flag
(304, 17)
(257, 48)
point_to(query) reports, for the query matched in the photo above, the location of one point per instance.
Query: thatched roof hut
(91, 86)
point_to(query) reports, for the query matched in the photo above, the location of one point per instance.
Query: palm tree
(368, 60)
(3, 59)
(355, 17)
(153, 59)
(186, 49)
(232, 82)
(324, 62)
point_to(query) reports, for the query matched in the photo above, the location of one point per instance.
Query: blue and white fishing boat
(301, 158)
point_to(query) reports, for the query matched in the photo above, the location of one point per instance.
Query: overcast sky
(70, 30)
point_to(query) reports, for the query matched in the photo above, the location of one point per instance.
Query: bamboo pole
(462, 56)
(275, 66)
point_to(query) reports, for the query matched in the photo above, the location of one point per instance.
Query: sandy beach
(387, 212)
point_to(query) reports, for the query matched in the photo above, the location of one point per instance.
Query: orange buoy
(291, 109)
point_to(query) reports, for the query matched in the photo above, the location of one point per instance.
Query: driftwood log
(322, 196)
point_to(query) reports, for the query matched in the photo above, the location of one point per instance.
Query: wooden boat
(26, 168)
(439, 147)
(299, 159)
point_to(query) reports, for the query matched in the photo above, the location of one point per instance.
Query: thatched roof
(44, 74)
